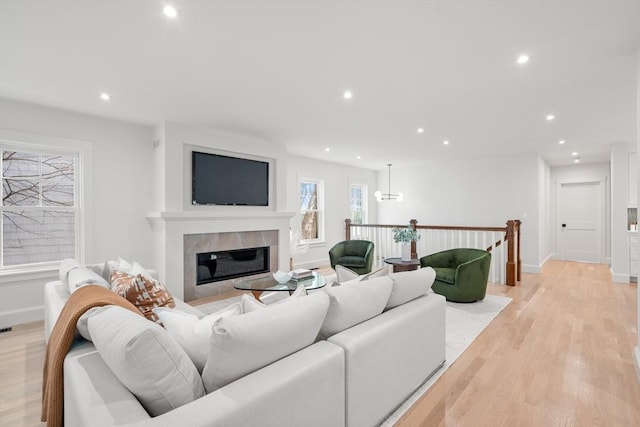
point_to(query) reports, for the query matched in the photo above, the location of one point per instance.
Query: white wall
(637, 349)
(472, 192)
(337, 179)
(544, 210)
(120, 193)
(581, 173)
(178, 142)
(619, 201)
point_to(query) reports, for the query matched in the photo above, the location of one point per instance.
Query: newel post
(347, 229)
(414, 253)
(519, 260)
(512, 271)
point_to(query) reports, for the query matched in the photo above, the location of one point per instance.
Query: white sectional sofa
(354, 378)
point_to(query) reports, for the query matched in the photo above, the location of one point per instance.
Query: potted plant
(404, 236)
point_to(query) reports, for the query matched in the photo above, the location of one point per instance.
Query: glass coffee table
(258, 286)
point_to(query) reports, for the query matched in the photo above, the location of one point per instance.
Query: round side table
(399, 265)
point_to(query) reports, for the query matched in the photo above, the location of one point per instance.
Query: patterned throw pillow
(143, 292)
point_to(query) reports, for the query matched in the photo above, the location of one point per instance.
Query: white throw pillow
(145, 359)
(353, 303)
(249, 303)
(82, 325)
(66, 265)
(345, 275)
(243, 344)
(409, 285)
(191, 333)
(81, 276)
(138, 269)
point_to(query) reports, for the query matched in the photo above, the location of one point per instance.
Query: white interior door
(580, 221)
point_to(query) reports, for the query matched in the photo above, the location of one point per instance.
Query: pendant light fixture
(380, 196)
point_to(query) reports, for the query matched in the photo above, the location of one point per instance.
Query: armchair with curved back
(461, 274)
(356, 255)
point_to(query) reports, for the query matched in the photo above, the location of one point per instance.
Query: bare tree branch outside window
(38, 207)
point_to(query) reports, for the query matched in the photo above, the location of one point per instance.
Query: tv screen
(223, 180)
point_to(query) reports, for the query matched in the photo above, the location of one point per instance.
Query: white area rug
(464, 323)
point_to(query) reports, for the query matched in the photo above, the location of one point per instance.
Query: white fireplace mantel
(164, 216)
(171, 227)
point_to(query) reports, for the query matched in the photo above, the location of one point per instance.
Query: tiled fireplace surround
(212, 242)
(180, 235)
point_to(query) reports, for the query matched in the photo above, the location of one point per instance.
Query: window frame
(319, 210)
(42, 144)
(364, 202)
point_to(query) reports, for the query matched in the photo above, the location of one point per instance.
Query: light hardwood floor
(559, 355)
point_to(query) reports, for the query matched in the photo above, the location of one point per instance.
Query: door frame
(601, 214)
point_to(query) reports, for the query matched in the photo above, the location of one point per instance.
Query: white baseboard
(529, 268)
(620, 277)
(636, 350)
(311, 264)
(547, 258)
(15, 317)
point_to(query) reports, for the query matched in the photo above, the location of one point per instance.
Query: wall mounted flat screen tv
(231, 181)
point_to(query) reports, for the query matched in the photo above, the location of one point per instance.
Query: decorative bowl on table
(282, 277)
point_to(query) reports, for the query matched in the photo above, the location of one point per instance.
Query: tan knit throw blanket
(60, 342)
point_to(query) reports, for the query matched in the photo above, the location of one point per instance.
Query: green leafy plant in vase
(404, 236)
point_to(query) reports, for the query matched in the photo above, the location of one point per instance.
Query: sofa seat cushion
(351, 261)
(145, 359)
(243, 344)
(446, 275)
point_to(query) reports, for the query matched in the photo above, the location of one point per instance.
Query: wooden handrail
(512, 236)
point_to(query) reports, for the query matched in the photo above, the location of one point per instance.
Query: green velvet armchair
(461, 274)
(356, 255)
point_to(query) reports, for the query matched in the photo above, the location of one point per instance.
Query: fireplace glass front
(224, 265)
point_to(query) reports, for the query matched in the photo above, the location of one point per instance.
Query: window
(358, 203)
(311, 227)
(40, 212)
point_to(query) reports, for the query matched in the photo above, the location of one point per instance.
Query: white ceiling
(277, 69)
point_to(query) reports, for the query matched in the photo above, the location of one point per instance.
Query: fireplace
(223, 265)
(236, 254)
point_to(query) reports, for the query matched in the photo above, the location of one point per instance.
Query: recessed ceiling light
(445, 142)
(575, 153)
(562, 141)
(420, 130)
(347, 94)
(522, 59)
(170, 11)
(327, 149)
(358, 157)
(550, 117)
(105, 96)
(576, 160)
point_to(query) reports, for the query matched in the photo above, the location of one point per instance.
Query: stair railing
(502, 242)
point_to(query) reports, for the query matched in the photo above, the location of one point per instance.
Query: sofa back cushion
(82, 276)
(243, 344)
(409, 285)
(145, 359)
(355, 302)
(191, 333)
